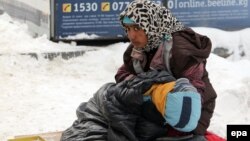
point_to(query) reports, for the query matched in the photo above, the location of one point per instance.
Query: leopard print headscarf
(156, 20)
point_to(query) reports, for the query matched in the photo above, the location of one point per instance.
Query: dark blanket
(117, 112)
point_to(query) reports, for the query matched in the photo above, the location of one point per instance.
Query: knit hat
(178, 102)
(183, 110)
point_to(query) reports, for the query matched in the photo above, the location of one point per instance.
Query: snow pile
(42, 96)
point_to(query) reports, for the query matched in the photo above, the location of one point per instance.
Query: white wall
(36, 13)
(42, 5)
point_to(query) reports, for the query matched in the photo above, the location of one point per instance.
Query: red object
(213, 137)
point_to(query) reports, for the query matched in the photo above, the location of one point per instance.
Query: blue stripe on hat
(173, 108)
(127, 20)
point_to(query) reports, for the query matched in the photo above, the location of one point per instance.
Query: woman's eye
(136, 28)
(127, 29)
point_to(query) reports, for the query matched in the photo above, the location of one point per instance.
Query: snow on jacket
(115, 112)
(187, 59)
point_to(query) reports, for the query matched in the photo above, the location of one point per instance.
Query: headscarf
(156, 20)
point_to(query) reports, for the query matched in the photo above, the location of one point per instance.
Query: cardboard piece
(51, 136)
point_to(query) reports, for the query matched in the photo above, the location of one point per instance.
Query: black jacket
(117, 112)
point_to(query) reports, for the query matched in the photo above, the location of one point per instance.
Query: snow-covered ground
(41, 96)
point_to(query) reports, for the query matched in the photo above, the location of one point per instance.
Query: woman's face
(137, 36)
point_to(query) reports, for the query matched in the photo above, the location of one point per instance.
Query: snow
(38, 95)
(80, 36)
(234, 41)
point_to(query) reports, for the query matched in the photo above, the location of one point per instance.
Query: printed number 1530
(93, 7)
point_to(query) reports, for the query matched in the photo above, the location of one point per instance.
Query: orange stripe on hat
(158, 93)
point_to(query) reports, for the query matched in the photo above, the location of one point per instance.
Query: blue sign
(92, 17)
(100, 17)
(223, 14)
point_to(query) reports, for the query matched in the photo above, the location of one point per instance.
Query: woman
(160, 42)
